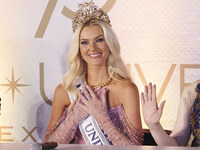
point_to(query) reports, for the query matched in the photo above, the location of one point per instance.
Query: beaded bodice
(119, 119)
(59, 132)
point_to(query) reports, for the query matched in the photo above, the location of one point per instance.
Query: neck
(96, 75)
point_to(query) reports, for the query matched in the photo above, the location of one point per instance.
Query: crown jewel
(89, 11)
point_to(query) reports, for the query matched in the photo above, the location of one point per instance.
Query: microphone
(43, 146)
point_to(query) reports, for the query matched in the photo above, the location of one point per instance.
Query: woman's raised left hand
(151, 112)
(94, 102)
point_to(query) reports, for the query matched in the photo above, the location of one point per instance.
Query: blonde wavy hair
(77, 66)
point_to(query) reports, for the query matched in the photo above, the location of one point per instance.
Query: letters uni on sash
(92, 133)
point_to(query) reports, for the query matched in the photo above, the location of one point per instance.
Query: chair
(148, 139)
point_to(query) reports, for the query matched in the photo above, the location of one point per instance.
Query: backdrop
(160, 43)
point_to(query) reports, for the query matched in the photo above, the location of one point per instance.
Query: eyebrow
(95, 37)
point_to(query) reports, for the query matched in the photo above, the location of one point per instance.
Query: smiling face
(93, 47)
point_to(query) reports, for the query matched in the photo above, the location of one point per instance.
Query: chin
(97, 63)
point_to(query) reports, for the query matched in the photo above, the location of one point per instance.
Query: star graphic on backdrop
(13, 85)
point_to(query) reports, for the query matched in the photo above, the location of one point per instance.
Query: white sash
(89, 128)
(92, 133)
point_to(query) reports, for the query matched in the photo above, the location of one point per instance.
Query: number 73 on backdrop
(66, 12)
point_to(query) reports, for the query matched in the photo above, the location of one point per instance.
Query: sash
(89, 127)
(92, 133)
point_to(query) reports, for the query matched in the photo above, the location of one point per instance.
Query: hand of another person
(94, 103)
(151, 112)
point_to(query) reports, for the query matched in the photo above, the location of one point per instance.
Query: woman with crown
(97, 103)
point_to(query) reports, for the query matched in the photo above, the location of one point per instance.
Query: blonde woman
(103, 103)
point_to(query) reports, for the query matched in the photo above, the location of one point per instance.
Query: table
(26, 146)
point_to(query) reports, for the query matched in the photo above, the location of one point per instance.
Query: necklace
(99, 85)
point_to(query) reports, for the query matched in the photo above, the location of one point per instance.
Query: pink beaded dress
(118, 118)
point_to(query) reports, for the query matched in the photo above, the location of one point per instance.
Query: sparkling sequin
(121, 122)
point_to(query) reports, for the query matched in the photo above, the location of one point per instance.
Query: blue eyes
(84, 43)
(100, 40)
(97, 41)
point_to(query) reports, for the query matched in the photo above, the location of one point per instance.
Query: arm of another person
(152, 114)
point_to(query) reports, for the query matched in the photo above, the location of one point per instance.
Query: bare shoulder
(127, 87)
(125, 91)
(61, 96)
